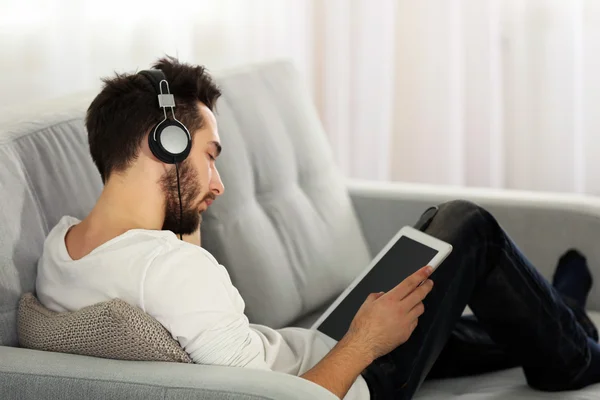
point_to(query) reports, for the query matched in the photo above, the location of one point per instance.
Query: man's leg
(470, 351)
(517, 307)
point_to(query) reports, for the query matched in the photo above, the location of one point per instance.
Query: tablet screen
(404, 258)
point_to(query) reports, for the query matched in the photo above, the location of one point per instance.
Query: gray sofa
(290, 229)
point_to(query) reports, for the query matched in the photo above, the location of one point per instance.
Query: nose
(216, 185)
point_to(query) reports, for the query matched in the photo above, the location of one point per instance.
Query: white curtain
(498, 93)
(52, 47)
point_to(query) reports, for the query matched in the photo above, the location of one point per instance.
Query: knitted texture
(112, 329)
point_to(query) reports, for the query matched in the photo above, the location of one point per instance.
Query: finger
(371, 297)
(418, 295)
(414, 325)
(374, 296)
(407, 286)
(416, 311)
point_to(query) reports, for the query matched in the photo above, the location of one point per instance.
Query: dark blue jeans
(519, 318)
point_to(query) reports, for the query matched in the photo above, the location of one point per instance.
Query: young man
(128, 248)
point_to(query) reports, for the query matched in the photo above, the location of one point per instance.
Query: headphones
(170, 141)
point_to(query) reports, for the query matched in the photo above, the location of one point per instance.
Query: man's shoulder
(60, 228)
(186, 271)
(53, 244)
(174, 247)
(179, 256)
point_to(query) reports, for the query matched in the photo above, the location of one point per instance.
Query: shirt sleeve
(186, 291)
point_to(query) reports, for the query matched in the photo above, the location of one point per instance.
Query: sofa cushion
(111, 329)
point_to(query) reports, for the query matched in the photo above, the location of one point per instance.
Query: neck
(127, 202)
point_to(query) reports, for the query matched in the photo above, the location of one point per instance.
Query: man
(127, 247)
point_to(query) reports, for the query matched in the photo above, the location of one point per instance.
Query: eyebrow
(217, 146)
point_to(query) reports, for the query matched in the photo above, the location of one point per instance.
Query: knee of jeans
(469, 215)
(463, 208)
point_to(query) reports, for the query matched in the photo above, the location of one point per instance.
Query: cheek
(203, 177)
(196, 176)
(205, 182)
(201, 167)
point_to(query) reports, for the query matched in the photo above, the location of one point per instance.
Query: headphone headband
(155, 76)
(161, 86)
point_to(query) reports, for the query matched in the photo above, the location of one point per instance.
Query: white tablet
(408, 251)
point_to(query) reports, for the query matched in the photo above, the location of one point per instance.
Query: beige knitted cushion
(112, 329)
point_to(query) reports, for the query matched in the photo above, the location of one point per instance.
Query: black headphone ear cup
(170, 142)
(155, 149)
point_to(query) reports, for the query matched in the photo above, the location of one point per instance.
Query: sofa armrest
(544, 225)
(32, 374)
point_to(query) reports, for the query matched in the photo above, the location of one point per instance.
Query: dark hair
(121, 116)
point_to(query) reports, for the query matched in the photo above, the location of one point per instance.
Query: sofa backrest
(284, 228)
(45, 172)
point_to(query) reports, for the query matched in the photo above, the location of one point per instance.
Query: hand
(386, 320)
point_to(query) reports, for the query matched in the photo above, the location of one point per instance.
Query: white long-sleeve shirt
(186, 290)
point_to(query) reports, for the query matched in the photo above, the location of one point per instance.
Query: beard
(190, 191)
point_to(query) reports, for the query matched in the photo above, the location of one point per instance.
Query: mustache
(210, 196)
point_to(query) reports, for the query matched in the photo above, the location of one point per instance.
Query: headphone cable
(180, 205)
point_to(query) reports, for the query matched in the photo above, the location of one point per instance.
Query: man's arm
(338, 370)
(179, 300)
(383, 322)
(185, 290)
